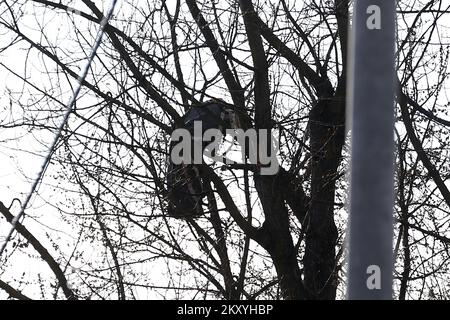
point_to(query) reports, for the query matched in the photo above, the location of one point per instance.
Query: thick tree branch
(221, 243)
(45, 255)
(148, 87)
(294, 195)
(322, 86)
(13, 293)
(235, 89)
(403, 101)
(341, 13)
(224, 194)
(261, 73)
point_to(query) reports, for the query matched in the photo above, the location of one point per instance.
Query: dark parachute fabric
(184, 183)
(185, 191)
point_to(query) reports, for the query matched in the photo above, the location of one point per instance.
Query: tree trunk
(327, 134)
(277, 237)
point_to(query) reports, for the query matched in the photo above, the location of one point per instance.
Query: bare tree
(282, 64)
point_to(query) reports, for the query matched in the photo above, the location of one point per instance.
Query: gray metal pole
(371, 119)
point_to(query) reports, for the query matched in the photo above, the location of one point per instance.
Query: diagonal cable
(69, 109)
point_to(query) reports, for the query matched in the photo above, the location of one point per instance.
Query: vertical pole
(371, 119)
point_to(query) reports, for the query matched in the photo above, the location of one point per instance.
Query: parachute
(185, 185)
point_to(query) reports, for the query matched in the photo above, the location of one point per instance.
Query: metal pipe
(371, 119)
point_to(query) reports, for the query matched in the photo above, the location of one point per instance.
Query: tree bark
(327, 135)
(278, 241)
